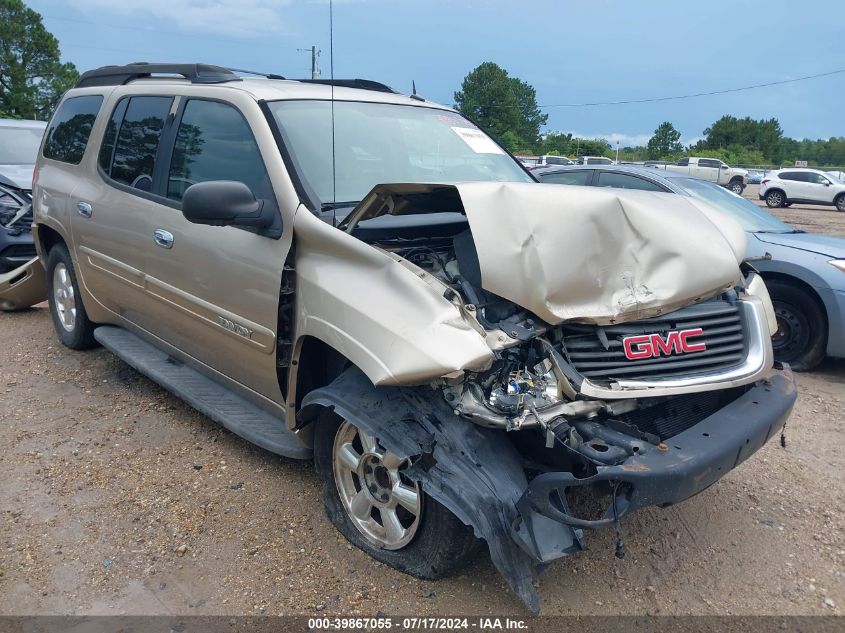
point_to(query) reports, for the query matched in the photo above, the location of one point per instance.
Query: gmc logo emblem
(653, 345)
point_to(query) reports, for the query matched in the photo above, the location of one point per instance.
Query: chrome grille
(597, 352)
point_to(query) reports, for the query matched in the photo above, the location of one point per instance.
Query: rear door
(110, 217)
(708, 169)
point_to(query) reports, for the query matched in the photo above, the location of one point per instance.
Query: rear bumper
(693, 460)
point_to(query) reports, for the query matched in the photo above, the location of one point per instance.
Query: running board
(201, 392)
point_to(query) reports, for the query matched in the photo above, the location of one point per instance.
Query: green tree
(32, 77)
(666, 141)
(764, 135)
(500, 104)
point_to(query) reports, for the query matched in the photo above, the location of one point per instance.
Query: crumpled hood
(827, 245)
(583, 254)
(19, 176)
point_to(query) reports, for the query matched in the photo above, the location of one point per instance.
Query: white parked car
(785, 186)
(711, 169)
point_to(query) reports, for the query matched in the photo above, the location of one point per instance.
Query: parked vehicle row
(422, 318)
(711, 169)
(803, 271)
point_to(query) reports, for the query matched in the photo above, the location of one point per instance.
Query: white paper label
(478, 142)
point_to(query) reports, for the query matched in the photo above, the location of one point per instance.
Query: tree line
(507, 108)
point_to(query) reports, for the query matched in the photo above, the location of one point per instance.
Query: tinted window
(580, 177)
(70, 128)
(214, 142)
(107, 146)
(626, 181)
(599, 161)
(137, 141)
(557, 160)
(816, 178)
(684, 162)
(709, 162)
(793, 175)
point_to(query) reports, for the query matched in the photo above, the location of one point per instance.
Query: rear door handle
(163, 238)
(84, 209)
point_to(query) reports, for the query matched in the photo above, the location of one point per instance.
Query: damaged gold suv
(336, 271)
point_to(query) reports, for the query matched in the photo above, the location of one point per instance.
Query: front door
(216, 289)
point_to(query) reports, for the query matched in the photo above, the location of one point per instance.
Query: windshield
(748, 214)
(379, 143)
(19, 145)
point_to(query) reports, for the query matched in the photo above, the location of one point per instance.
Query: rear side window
(70, 128)
(626, 181)
(579, 177)
(709, 162)
(214, 142)
(137, 140)
(683, 162)
(793, 175)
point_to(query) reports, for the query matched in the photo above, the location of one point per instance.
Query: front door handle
(84, 209)
(163, 238)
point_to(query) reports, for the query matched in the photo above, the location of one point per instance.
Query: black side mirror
(225, 203)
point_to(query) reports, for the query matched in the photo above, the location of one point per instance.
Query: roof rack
(361, 84)
(120, 75)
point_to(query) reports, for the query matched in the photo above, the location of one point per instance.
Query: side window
(137, 141)
(107, 146)
(579, 177)
(214, 142)
(708, 162)
(815, 178)
(796, 176)
(683, 162)
(70, 128)
(626, 181)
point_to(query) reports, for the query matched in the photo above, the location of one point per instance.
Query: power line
(676, 97)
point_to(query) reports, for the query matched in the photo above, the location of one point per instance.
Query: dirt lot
(118, 498)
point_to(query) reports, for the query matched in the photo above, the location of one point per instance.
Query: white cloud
(241, 18)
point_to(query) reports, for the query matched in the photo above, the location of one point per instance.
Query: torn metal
(579, 253)
(516, 500)
(23, 287)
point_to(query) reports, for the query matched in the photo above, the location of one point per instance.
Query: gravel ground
(120, 499)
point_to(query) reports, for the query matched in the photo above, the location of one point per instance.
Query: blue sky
(570, 51)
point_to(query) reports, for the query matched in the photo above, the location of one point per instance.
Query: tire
(840, 202)
(70, 320)
(736, 186)
(801, 338)
(775, 198)
(435, 543)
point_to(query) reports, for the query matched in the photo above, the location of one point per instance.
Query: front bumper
(693, 460)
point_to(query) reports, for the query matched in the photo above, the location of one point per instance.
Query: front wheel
(378, 508)
(801, 337)
(840, 203)
(775, 199)
(737, 187)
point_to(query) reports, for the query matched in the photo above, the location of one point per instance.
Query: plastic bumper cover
(692, 461)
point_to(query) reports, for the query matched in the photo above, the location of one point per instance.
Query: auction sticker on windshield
(478, 141)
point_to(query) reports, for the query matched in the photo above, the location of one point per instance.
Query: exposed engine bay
(533, 383)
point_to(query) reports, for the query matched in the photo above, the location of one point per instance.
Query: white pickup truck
(711, 169)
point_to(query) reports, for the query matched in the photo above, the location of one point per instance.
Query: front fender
(384, 317)
(23, 287)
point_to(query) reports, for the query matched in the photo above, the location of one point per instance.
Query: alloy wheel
(383, 503)
(64, 297)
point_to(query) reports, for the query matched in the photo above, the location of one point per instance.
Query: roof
(265, 87)
(23, 123)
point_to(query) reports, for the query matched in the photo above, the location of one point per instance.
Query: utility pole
(315, 53)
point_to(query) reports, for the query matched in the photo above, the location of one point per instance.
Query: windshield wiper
(331, 206)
